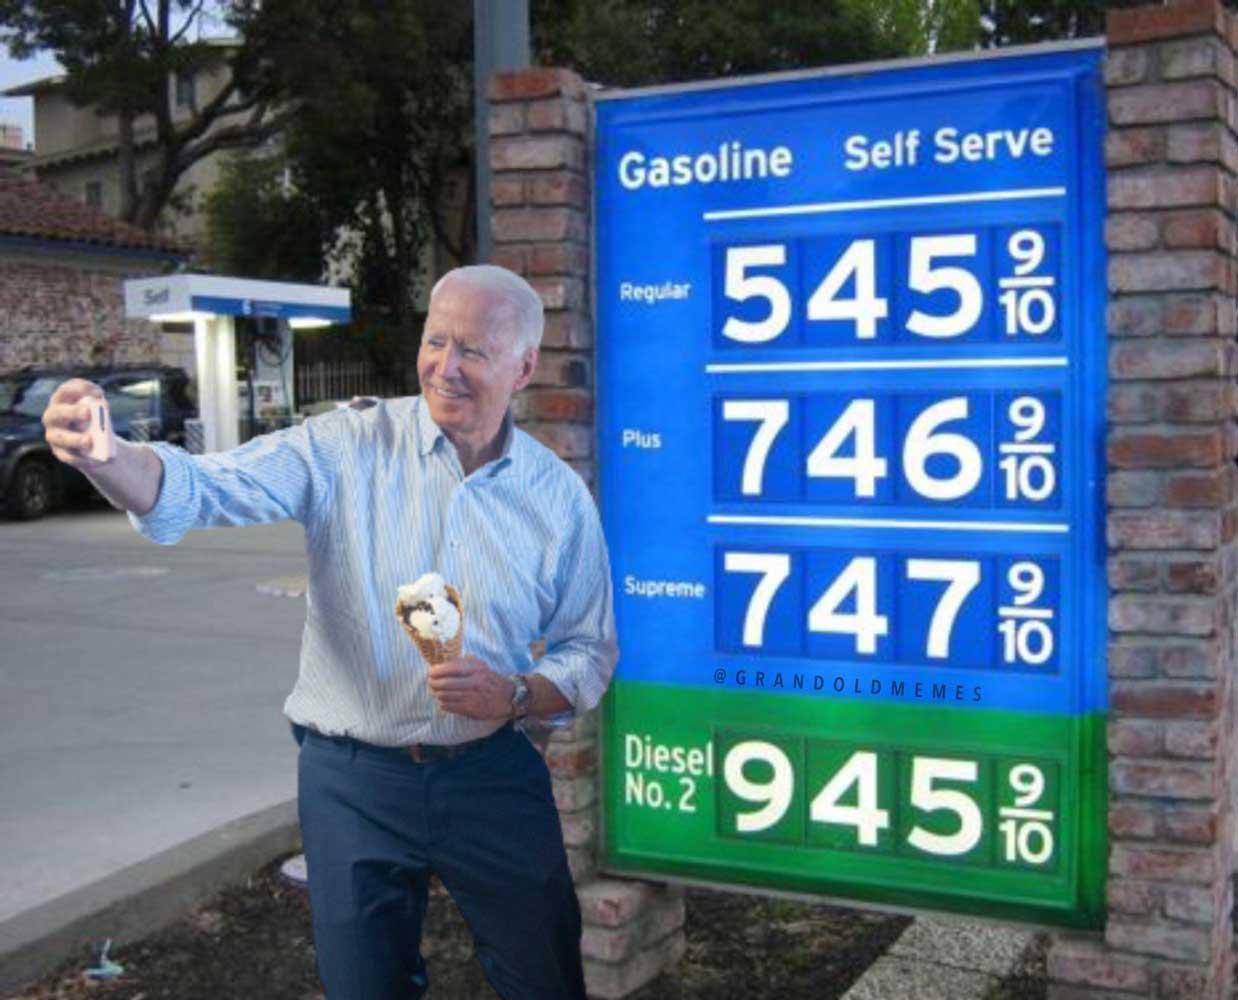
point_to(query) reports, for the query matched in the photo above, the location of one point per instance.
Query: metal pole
(500, 42)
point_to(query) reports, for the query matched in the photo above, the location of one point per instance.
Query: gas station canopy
(210, 302)
(182, 297)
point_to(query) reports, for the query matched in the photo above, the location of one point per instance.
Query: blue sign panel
(221, 305)
(851, 389)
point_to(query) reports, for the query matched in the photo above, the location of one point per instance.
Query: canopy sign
(851, 370)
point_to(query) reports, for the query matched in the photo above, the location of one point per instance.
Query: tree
(1020, 22)
(260, 226)
(922, 27)
(377, 147)
(383, 125)
(630, 43)
(119, 57)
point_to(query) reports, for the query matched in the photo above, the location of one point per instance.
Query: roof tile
(38, 211)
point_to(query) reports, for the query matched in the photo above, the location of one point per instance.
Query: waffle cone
(433, 650)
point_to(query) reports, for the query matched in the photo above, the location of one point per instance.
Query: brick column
(1173, 562)
(541, 130)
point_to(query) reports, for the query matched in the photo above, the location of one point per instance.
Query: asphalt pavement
(141, 689)
(144, 759)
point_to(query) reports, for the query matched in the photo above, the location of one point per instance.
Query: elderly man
(406, 770)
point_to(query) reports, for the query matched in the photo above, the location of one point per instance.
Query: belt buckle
(418, 752)
(429, 753)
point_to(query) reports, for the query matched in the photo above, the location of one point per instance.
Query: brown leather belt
(430, 753)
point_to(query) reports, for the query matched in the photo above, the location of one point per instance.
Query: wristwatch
(520, 697)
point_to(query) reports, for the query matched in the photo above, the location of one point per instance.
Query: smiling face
(468, 365)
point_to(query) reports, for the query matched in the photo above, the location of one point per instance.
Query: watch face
(520, 697)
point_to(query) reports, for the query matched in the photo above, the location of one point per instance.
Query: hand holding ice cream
(432, 613)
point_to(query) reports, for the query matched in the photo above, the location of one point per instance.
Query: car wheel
(30, 492)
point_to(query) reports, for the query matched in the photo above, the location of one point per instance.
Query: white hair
(514, 293)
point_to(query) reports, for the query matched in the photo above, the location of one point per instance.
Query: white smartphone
(102, 441)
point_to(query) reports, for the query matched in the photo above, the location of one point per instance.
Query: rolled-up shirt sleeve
(275, 477)
(581, 647)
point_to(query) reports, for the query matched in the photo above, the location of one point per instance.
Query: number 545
(866, 308)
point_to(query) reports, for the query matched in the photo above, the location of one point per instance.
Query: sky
(20, 110)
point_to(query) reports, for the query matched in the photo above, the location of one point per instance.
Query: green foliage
(921, 27)
(376, 146)
(628, 43)
(636, 42)
(1020, 22)
(259, 226)
(381, 128)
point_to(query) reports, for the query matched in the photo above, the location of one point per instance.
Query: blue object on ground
(106, 968)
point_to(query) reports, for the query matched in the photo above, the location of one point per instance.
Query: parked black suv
(32, 481)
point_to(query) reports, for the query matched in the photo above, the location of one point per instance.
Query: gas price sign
(851, 371)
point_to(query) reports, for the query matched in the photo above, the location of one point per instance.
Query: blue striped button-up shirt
(384, 499)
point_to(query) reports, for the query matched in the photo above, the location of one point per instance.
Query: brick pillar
(541, 129)
(1173, 563)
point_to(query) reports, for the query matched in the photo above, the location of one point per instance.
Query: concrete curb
(944, 960)
(144, 897)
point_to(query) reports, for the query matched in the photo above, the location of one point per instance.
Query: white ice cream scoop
(428, 611)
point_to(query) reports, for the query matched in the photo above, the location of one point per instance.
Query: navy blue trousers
(376, 826)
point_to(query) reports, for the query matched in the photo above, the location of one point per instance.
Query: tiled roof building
(37, 211)
(62, 272)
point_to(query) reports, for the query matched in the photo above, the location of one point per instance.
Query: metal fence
(321, 380)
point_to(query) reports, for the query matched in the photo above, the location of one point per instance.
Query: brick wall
(540, 129)
(539, 124)
(1172, 519)
(69, 309)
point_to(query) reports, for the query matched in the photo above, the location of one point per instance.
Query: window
(186, 91)
(94, 194)
(27, 397)
(131, 397)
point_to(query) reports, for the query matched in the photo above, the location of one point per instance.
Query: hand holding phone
(102, 440)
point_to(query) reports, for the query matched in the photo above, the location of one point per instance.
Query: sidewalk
(941, 959)
(142, 709)
(141, 898)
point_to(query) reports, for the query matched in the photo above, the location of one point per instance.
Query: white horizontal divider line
(822, 207)
(724, 368)
(785, 521)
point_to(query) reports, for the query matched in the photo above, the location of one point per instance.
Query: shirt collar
(429, 434)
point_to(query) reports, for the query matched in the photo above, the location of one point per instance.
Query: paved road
(140, 693)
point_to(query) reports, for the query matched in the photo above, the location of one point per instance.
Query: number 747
(857, 583)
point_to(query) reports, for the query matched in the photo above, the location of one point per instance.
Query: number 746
(924, 439)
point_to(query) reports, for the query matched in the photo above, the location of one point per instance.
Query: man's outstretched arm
(130, 480)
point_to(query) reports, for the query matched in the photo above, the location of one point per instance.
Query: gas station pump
(267, 396)
(273, 309)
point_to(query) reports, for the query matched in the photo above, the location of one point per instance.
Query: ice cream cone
(433, 650)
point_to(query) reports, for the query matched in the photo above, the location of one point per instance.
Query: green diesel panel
(944, 809)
